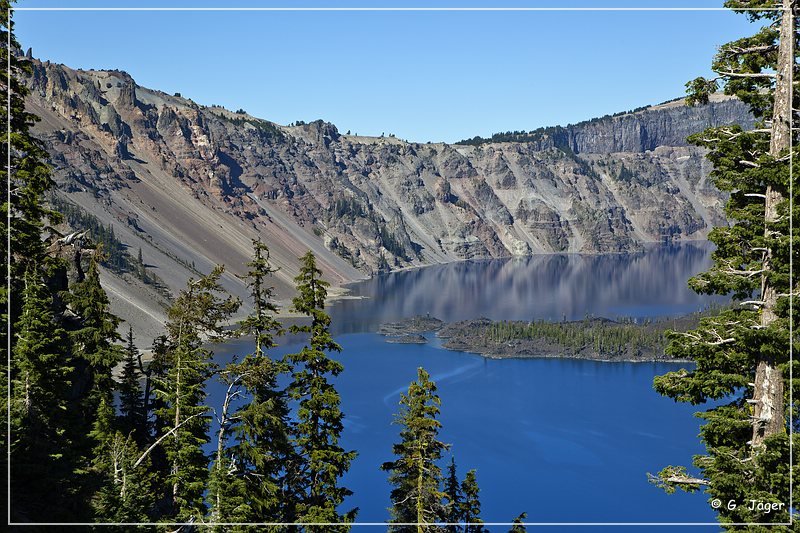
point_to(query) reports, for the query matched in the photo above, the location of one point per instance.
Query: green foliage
(264, 127)
(198, 315)
(415, 475)
(350, 209)
(94, 337)
(30, 176)
(453, 498)
(558, 134)
(117, 259)
(625, 175)
(321, 461)
(248, 477)
(347, 207)
(471, 509)
(23, 219)
(131, 402)
(126, 495)
(391, 243)
(261, 324)
(602, 337)
(40, 458)
(742, 354)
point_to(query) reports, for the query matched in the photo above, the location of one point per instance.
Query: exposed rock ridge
(192, 185)
(665, 125)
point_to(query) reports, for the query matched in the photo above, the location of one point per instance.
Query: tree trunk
(768, 416)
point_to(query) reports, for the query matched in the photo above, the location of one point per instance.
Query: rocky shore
(410, 330)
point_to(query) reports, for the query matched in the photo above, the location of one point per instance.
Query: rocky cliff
(641, 130)
(191, 185)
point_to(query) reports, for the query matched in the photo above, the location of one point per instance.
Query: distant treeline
(591, 338)
(603, 337)
(538, 134)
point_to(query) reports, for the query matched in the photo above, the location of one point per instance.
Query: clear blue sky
(424, 76)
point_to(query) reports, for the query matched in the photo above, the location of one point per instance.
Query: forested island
(593, 338)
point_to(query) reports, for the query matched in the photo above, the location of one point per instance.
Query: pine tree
(29, 176)
(131, 402)
(40, 460)
(742, 354)
(313, 481)
(94, 339)
(196, 316)
(23, 217)
(262, 448)
(414, 475)
(453, 498)
(471, 509)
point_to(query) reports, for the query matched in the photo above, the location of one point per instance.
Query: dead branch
(161, 438)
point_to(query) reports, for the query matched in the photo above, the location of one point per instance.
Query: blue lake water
(563, 440)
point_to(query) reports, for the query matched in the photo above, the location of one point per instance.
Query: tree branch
(687, 480)
(735, 50)
(748, 74)
(161, 438)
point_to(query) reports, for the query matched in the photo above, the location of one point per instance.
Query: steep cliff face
(667, 124)
(192, 185)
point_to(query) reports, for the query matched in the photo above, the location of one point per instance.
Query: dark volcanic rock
(411, 326)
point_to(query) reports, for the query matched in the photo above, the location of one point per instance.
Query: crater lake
(563, 440)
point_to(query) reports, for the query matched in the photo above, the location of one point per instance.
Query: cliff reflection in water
(550, 287)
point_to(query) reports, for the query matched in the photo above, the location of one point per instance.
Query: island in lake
(599, 339)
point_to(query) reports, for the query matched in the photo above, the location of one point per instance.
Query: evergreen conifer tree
(126, 493)
(321, 460)
(742, 354)
(94, 339)
(196, 316)
(131, 402)
(22, 219)
(262, 448)
(414, 475)
(471, 510)
(453, 498)
(41, 456)
(228, 500)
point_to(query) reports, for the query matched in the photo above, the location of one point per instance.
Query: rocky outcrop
(193, 185)
(667, 124)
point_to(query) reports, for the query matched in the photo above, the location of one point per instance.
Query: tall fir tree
(126, 493)
(742, 355)
(415, 475)
(313, 480)
(41, 454)
(93, 334)
(471, 508)
(197, 316)
(132, 415)
(94, 338)
(29, 176)
(257, 461)
(454, 500)
(23, 218)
